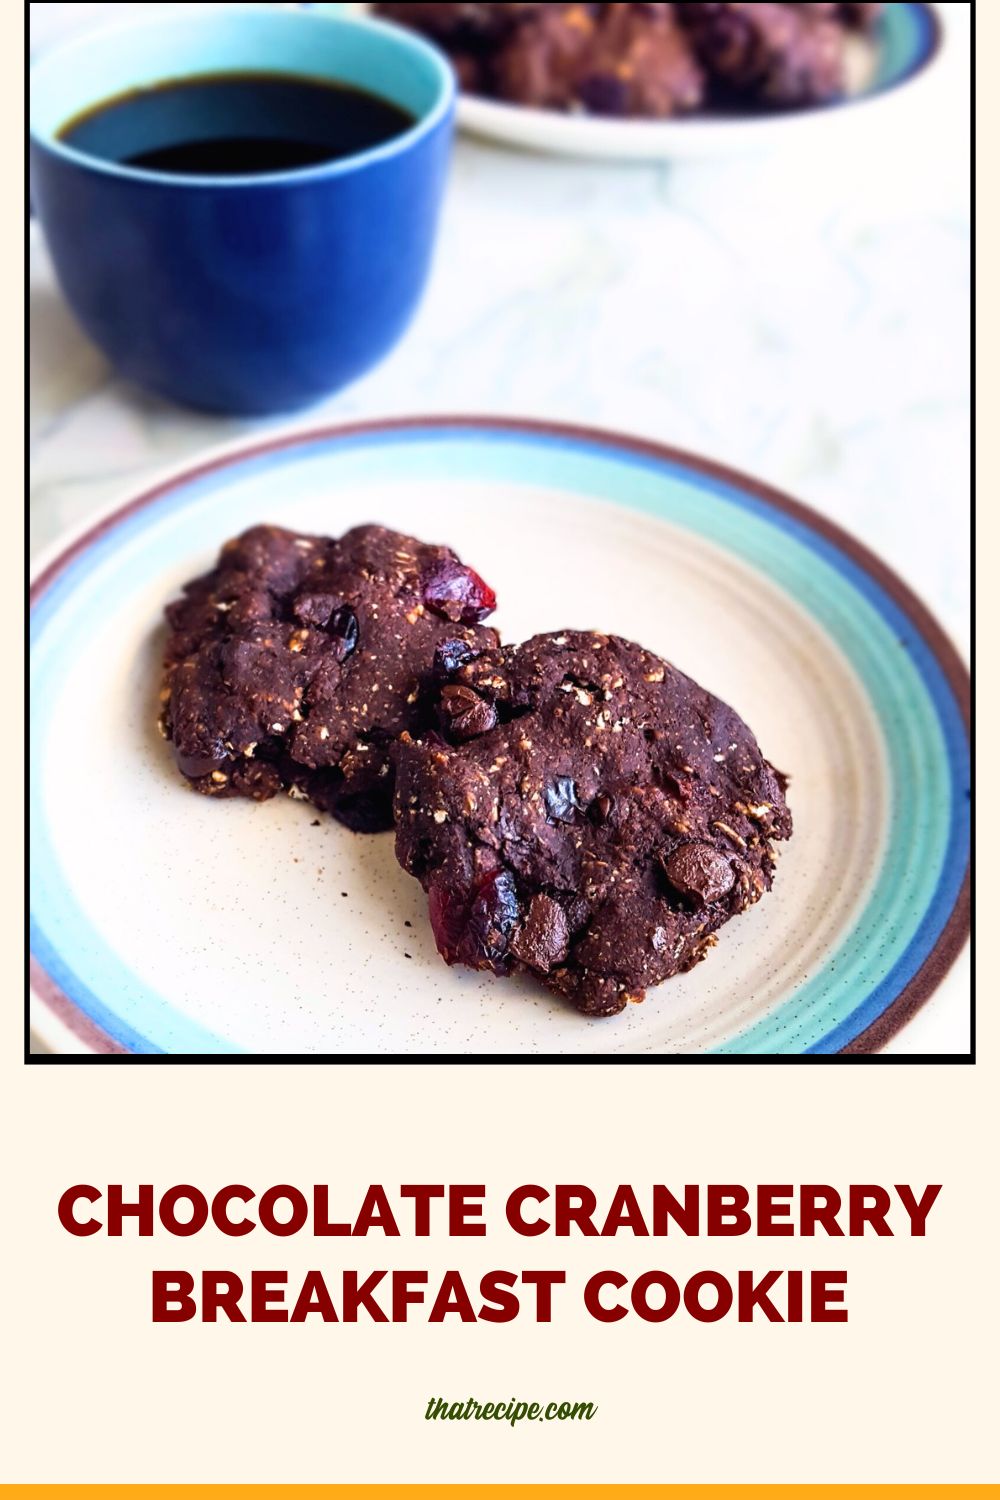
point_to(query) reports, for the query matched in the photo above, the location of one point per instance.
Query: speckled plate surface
(164, 922)
(884, 71)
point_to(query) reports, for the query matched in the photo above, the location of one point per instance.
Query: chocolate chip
(195, 766)
(561, 801)
(450, 655)
(465, 714)
(699, 873)
(457, 700)
(345, 631)
(600, 809)
(543, 940)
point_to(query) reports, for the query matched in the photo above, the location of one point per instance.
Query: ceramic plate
(907, 41)
(165, 922)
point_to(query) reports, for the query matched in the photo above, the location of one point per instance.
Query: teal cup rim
(427, 122)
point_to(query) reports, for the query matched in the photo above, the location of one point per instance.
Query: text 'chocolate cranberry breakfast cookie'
(585, 812)
(298, 661)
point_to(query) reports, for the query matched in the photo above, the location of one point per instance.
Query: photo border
(864, 1048)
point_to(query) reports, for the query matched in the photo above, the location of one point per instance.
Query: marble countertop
(802, 317)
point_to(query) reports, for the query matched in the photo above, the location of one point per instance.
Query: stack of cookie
(574, 806)
(645, 61)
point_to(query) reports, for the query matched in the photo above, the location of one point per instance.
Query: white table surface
(802, 317)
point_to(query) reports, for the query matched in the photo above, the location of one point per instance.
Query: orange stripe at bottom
(500, 1491)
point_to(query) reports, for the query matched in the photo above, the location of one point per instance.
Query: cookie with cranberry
(587, 813)
(775, 55)
(298, 661)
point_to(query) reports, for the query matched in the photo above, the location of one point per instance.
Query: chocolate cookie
(586, 812)
(462, 25)
(623, 60)
(640, 66)
(298, 661)
(775, 55)
(864, 16)
(539, 64)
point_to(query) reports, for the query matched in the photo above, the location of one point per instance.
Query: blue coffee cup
(244, 294)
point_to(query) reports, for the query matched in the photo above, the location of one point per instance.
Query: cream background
(92, 1391)
(902, 1392)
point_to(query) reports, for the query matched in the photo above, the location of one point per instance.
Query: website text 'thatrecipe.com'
(512, 1411)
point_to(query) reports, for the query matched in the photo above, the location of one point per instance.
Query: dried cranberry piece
(464, 714)
(493, 918)
(475, 929)
(447, 910)
(345, 630)
(457, 593)
(561, 801)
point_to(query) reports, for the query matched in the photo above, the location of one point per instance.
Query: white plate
(884, 73)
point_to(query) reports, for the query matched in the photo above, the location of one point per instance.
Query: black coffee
(235, 124)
